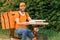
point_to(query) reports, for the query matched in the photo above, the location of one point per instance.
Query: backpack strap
(26, 15)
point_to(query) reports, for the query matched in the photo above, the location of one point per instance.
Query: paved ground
(4, 37)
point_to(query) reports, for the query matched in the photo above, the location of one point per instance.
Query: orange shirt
(21, 19)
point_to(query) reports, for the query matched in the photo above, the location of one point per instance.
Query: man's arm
(17, 20)
(29, 18)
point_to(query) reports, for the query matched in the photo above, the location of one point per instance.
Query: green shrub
(38, 9)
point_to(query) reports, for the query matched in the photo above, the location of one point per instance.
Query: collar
(22, 13)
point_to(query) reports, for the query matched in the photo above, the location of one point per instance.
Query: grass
(55, 37)
(52, 35)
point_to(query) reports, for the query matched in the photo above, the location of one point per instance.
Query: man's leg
(30, 34)
(22, 31)
(24, 35)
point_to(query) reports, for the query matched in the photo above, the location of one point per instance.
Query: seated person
(20, 19)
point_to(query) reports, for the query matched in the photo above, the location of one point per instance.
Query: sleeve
(28, 16)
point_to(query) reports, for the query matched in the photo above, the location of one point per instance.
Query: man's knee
(25, 31)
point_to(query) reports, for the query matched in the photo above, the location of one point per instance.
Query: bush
(38, 9)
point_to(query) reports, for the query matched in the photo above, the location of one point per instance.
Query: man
(20, 18)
